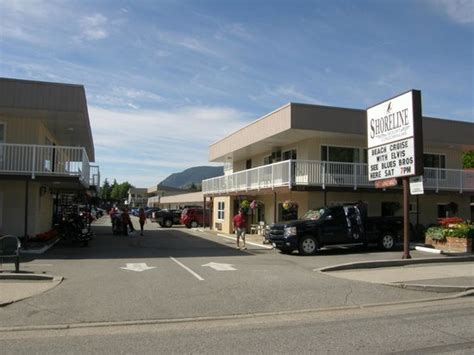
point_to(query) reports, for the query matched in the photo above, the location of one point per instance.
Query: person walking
(239, 228)
(127, 222)
(142, 219)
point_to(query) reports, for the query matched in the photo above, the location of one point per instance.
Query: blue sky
(164, 79)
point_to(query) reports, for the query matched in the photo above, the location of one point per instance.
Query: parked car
(167, 218)
(149, 211)
(334, 225)
(194, 217)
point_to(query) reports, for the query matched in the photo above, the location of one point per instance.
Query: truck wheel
(387, 242)
(308, 245)
(168, 223)
(194, 224)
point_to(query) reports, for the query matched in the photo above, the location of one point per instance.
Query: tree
(119, 192)
(468, 159)
(105, 191)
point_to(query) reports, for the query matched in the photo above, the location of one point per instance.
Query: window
(220, 210)
(248, 164)
(289, 154)
(340, 154)
(390, 209)
(432, 162)
(267, 160)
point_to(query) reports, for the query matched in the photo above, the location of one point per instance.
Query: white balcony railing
(320, 173)
(44, 160)
(94, 176)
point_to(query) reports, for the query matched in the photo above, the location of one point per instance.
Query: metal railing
(44, 160)
(94, 176)
(324, 173)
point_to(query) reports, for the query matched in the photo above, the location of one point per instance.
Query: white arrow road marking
(221, 267)
(187, 269)
(139, 267)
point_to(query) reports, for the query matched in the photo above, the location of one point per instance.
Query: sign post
(395, 146)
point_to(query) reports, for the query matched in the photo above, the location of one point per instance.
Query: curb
(29, 277)
(389, 263)
(431, 288)
(222, 318)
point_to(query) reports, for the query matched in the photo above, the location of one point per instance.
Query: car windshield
(315, 214)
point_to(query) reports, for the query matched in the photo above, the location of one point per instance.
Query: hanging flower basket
(244, 205)
(255, 204)
(290, 205)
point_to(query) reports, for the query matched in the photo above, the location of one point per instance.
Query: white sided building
(317, 155)
(46, 150)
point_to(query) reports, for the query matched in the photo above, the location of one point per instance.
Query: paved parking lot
(180, 273)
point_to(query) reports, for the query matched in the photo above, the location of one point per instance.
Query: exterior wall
(427, 208)
(21, 130)
(40, 208)
(226, 223)
(310, 149)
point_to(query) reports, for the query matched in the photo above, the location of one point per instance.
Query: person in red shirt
(239, 228)
(142, 219)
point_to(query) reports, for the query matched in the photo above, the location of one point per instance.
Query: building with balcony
(46, 150)
(137, 197)
(317, 155)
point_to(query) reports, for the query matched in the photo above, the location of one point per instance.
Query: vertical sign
(395, 146)
(394, 137)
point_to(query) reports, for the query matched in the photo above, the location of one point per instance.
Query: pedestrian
(142, 219)
(239, 228)
(127, 222)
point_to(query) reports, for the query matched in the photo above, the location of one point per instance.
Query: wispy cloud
(93, 27)
(284, 94)
(460, 11)
(164, 141)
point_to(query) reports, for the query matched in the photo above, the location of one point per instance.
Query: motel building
(315, 156)
(46, 150)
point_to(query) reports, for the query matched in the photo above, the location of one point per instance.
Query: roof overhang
(296, 122)
(61, 107)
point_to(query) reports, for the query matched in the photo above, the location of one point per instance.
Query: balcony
(45, 160)
(324, 174)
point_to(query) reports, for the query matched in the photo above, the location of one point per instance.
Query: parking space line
(187, 269)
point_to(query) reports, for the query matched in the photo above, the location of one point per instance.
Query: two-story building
(137, 197)
(46, 150)
(316, 155)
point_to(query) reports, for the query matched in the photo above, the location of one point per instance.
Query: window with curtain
(435, 161)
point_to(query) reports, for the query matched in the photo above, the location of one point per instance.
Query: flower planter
(454, 244)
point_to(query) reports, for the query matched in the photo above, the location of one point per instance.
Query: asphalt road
(191, 275)
(433, 327)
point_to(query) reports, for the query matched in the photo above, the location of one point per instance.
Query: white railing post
(437, 180)
(33, 163)
(355, 176)
(289, 175)
(323, 171)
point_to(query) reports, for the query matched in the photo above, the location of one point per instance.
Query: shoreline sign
(395, 147)
(394, 137)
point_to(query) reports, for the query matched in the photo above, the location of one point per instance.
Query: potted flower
(290, 205)
(451, 234)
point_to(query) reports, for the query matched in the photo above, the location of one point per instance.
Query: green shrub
(436, 233)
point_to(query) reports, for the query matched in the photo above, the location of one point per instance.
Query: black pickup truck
(167, 218)
(331, 226)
